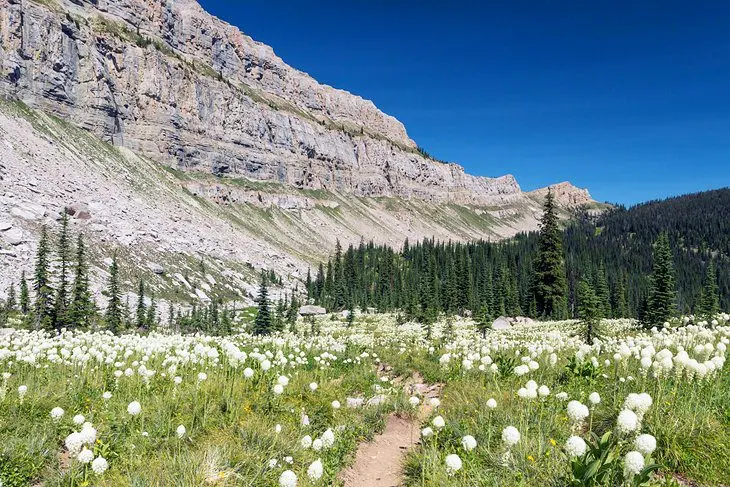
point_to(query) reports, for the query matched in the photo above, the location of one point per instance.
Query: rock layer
(175, 84)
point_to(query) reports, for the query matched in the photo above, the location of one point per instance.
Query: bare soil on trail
(380, 462)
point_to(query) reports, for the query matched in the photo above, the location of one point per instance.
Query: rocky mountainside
(198, 141)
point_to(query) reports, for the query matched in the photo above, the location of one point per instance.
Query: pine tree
(278, 324)
(603, 295)
(293, 312)
(43, 306)
(483, 322)
(262, 324)
(550, 278)
(10, 303)
(60, 312)
(113, 316)
(709, 303)
(590, 311)
(80, 310)
(662, 300)
(141, 308)
(350, 316)
(24, 296)
(150, 320)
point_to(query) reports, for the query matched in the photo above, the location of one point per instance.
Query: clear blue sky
(628, 99)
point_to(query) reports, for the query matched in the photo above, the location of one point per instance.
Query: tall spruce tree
(590, 311)
(141, 308)
(662, 300)
(262, 323)
(549, 266)
(113, 316)
(61, 302)
(709, 303)
(80, 311)
(43, 305)
(24, 295)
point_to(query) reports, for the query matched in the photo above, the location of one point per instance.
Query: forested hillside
(613, 252)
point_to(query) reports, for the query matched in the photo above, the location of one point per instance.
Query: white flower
(414, 401)
(306, 442)
(575, 447)
(134, 408)
(561, 396)
(491, 403)
(202, 376)
(277, 429)
(627, 421)
(181, 430)
(288, 479)
(317, 444)
(336, 405)
(177, 380)
(313, 386)
(86, 456)
(248, 372)
(468, 442)
(57, 413)
(543, 391)
(510, 436)
(74, 442)
(273, 463)
(577, 411)
(328, 438)
(99, 465)
(22, 391)
(594, 398)
(278, 389)
(107, 395)
(426, 432)
(453, 464)
(315, 470)
(79, 419)
(283, 380)
(633, 463)
(438, 422)
(435, 402)
(88, 434)
(646, 444)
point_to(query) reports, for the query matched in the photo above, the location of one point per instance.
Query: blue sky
(628, 99)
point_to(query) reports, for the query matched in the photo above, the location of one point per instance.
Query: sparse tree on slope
(81, 309)
(60, 312)
(141, 308)
(24, 296)
(114, 307)
(43, 306)
(550, 278)
(262, 323)
(590, 311)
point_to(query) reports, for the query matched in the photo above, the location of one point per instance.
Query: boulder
(13, 236)
(312, 310)
(501, 323)
(5, 225)
(156, 268)
(78, 210)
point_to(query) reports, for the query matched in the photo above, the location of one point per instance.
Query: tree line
(633, 263)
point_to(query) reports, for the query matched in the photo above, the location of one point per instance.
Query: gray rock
(5, 225)
(312, 310)
(156, 268)
(14, 236)
(501, 323)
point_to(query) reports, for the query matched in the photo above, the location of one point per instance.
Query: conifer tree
(141, 308)
(278, 322)
(61, 302)
(10, 303)
(662, 300)
(293, 312)
(150, 320)
(590, 311)
(113, 316)
(550, 278)
(709, 303)
(603, 295)
(262, 323)
(24, 296)
(43, 306)
(80, 310)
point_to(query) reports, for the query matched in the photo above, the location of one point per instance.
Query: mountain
(172, 135)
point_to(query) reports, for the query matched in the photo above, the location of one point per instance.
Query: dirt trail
(380, 461)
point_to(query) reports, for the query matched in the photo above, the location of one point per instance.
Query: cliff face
(172, 83)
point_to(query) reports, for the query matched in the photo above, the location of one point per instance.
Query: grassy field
(198, 410)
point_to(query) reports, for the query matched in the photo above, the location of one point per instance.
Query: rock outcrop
(175, 84)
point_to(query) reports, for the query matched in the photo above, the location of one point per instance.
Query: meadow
(531, 405)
